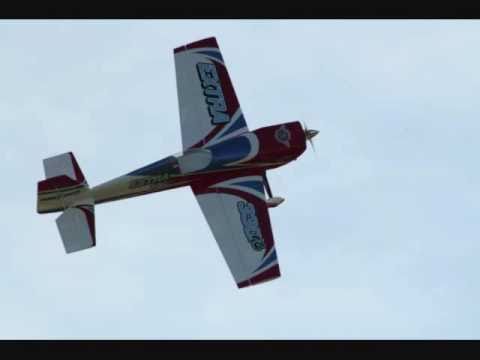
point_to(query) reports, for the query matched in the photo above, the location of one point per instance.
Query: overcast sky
(378, 236)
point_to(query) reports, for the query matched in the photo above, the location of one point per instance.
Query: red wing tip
(207, 42)
(179, 49)
(243, 284)
(268, 275)
(248, 283)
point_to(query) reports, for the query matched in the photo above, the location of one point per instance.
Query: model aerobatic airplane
(222, 161)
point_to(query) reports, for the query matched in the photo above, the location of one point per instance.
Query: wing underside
(209, 109)
(236, 211)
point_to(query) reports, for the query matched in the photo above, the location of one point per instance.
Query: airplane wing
(235, 208)
(209, 109)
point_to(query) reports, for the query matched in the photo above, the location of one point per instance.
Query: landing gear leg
(267, 185)
(272, 201)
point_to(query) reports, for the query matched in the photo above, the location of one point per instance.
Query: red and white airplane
(222, 161)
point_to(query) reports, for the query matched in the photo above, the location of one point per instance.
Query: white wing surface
(235, 208)
(209, 109)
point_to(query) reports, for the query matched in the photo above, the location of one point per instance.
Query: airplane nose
(310, 133)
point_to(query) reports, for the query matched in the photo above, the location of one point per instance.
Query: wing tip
(179, 49)
(207, 42)
(268, 275)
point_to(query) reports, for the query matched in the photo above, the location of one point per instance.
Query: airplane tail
(65, 189)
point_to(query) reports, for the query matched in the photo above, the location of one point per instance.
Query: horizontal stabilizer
(77, 228)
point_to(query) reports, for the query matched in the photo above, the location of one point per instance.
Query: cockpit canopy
(193, 160)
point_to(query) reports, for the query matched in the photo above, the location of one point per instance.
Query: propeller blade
(313, 145)
(310, 134)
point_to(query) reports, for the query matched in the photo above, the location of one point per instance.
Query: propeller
(310, 134)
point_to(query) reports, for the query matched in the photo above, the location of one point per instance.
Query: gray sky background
(377, 238)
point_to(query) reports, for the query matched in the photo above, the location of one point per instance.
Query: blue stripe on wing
(270, 259)
(252, 184)
(238, 124)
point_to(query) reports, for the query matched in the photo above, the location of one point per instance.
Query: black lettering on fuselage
(153, 180)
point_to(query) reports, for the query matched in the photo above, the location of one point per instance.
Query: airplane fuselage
(264, 148)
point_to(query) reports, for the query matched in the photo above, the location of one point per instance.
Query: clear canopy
(193, 160)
